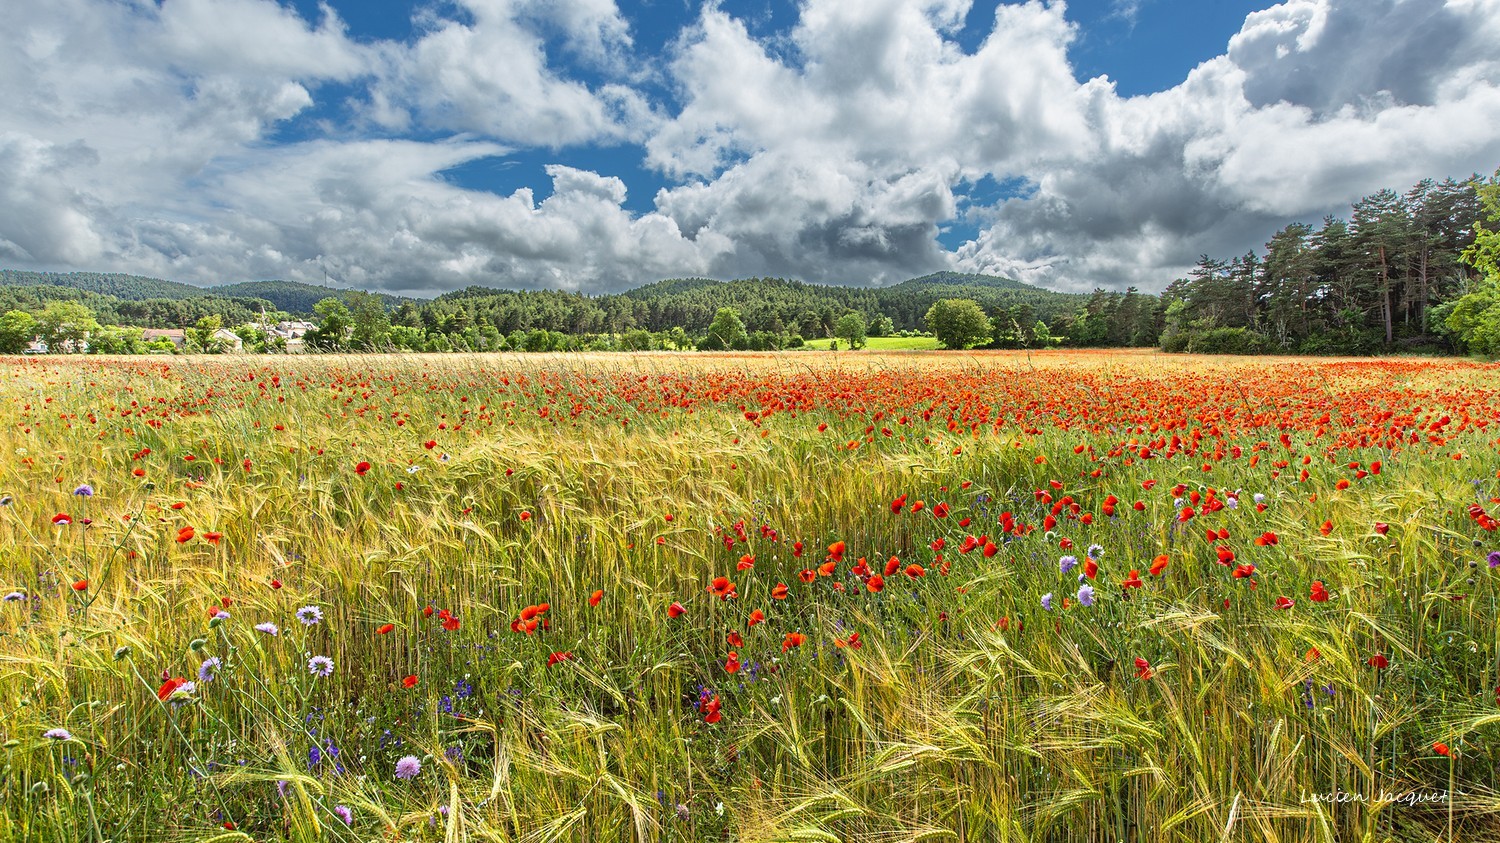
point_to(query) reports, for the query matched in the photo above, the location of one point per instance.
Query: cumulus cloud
(149, 138)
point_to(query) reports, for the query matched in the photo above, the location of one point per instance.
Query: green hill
(128, 287)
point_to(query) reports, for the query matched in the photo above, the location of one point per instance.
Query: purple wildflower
(409, 767)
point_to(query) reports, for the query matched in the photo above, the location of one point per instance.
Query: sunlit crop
(1071, 595)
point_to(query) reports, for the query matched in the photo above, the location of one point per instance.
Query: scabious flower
(14, 596)
(268, 628)
(1258, 497)
(84, 491)
(409, 767)
(1096, 551)
(320, 666)
(1086, 595)
(58, 734)
(1047, 601)
(1067, 563)
(344, 814)
(1494, 560)
(309, 615)
(206, 670)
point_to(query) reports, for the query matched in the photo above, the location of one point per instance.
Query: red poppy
(525, 515)
(875, 583)
(554, 658)
(807, 575)
(792, 639)
(409, 682)
(914, 570)
(1319, 592)
(1266, 539)
(596, 597)
(1284, 603)
(62, 519)
(361, 468)
(1382, 528)
(1132, 581)
(722, 588)
(732, 664)
(185, 534)
(1378, 661)
(756, 617)
(385, 628)
(746, 562)
(1143, 669)
(1326, 528)
(779, 591)
(1244, 571)
(675, 610)
(213, 537)
(81, 585)
(1159, 564)
(735, 639)
(168, 687)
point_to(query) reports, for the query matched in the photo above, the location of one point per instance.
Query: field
(1045, 597)
(882, 344)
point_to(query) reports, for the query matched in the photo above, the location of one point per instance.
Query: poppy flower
(1159, 564)
(409, 682)
(1143, 669)
(1378, 661)
(914, 570)
(81, 585)
(722, 588)
(1382, 528)
(792, 639)
(797, 549)
(385, 628)
(779, 591)
(1312, 654)
(1326, 528)
(1283, 603)
(170, 687)
(1132, 581)
(1442, 749)
(185, 535)
(275, 584)
(807, 575)
(735, 639)
(1244, 571)
(675, 610)
(361, 468)
(597, 596)
(756, 617)
(732, 663)
(836, 551)
(1319, 592)
(525, 515)
(875, 583)
(62, 519)
(213, 537)
(710, 709)
(746, 562)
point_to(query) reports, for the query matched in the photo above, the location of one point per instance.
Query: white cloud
(490, 74)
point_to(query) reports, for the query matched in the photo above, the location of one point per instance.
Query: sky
(596, 145)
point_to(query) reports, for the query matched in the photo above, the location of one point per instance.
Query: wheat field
(979, 597)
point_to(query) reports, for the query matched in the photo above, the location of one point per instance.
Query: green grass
(882, 344)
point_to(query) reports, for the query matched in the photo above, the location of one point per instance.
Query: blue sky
(594, 145)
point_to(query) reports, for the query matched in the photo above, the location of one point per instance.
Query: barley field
(976, 597)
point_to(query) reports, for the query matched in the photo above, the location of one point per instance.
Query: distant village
(286, 336)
